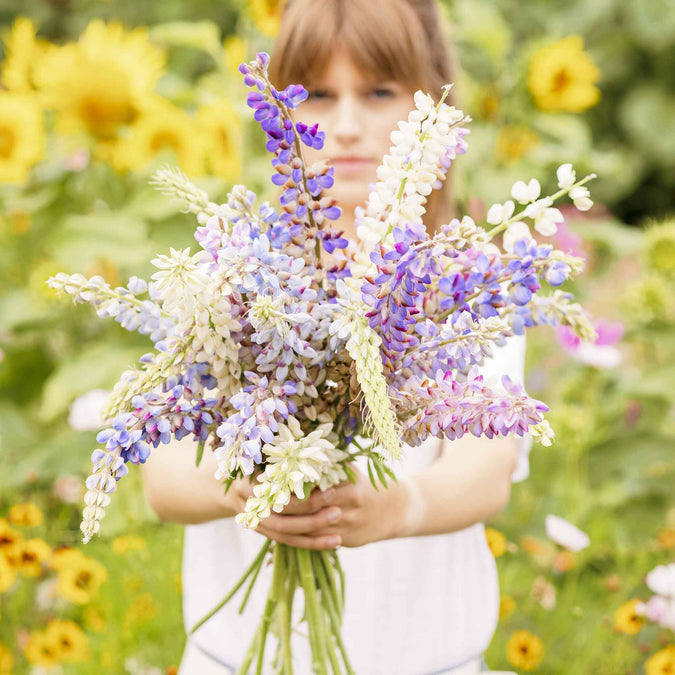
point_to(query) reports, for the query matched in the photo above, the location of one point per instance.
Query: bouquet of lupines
(280, 341)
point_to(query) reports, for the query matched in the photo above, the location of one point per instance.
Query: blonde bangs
(384, 38)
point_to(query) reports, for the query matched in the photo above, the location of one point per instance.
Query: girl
(422, 595)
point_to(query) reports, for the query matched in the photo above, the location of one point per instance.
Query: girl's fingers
(305, 524)
(316, 500)
(302, 541)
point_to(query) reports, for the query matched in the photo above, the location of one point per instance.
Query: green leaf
(98, 366)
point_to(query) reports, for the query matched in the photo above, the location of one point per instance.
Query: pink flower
(569, 241)
(563, 533)
(599, 354)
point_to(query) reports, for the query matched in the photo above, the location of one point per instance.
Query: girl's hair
(400, 40)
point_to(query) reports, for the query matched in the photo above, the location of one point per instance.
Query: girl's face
(358, 114)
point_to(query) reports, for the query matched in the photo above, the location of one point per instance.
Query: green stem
(235, 588)
(338, 566)
(251, 583)
(272, 601)
(253, 648)
(330, 576)
(286, 606)
(334, 620)
(312, 610)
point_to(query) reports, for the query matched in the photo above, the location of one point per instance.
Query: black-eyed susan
(98, 84)
(513, 142)
(221, 130)
(22, 136)
(40, 651)
(6, 660)
(626, 618)
(661, 663)
(160, 128)
(524, 650)
(7, 574)
(10, 541)
(562, 76)
(25, 515)
(80, 579)
(507, 605)
(128, 543)
(64, 556)
(496, 541)
(32, 553)
(23, 52)
(266, 15)
(141, 610)
(68, 639)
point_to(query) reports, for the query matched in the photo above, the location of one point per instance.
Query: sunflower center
(163, 139)
(524, 649)
(561, 80)
(4, 539)
(6, 147)
(83, 579)
(28, 557)
(66, 643)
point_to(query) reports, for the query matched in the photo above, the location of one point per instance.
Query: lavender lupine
(274, 360)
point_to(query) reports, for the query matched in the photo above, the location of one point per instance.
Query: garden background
(89, 108)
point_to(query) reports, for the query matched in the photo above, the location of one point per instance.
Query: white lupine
(292, 461)
(500, 213)
(525, 193)
(581, 197)
(566, 176)
(515, 231)
(409, 172)
(180, 277)
(547, 222)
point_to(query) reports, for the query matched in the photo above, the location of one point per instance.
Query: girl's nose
(348, 126)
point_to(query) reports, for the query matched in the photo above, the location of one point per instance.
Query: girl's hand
(350, 514)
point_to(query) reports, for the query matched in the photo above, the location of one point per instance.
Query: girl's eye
(318, 94)
(382, 92)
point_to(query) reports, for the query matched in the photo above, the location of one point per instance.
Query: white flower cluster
(545, 217)
(410, 172)
(293, 461)
(660, 608)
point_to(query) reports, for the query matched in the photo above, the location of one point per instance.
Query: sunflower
(266, 15)
(662, 663)
(6, 660)
(41, 651)
(22, 136)
(626, 618)
(64, 557)
(10, 541)
(524, 650)
(98, 84)
(7, 574)
(32, 554)
(496, 541)
(160, 128)
(513, 142)
(68, 639)
(222, 132)
(25, 515)
(79, 580)
(128, 543)
(562, 77)
(23, 53)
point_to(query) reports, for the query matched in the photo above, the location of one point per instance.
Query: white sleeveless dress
(414, 606)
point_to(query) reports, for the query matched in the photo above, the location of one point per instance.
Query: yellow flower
(142, 609)
(98, 83)
(23, 52)
(266, 15)
(79, 580)
(667, 538)
(6, 660)
(68, 639)
(626, 618)
(496, 541)
(562, 77)
(22, 136)
(93, 620)
(31, 556)
(659, 250)
(25, 515)
(563, 562)
(65, 557)
(10, 541)
(514, 141)
(661, 663)
(506, 606)
(128, 543)
(41, 651)
(222, 133)
(7, 574)
(160, 127)
(524, 650)
(234, 50)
